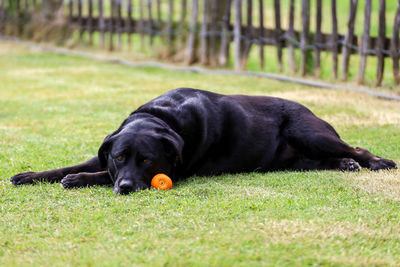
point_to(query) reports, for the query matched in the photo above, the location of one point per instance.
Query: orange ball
(161, 181)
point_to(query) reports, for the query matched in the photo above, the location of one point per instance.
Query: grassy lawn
(55, 111)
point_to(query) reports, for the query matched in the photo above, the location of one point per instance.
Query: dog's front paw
(24, 178)
(347, 164)
(382, 164)
(74, 180)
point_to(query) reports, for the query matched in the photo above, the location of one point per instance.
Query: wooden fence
(203, 31)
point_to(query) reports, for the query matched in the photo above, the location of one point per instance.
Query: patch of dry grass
(383, 183)
(347, 108)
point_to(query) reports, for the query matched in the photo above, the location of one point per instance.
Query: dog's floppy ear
(173, 145)
(104, 150)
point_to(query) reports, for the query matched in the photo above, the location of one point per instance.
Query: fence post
(150, 22)
(70, 10)
(18, 15)
(141, 24)
(170, 24)
(111, 26)
(2, 15)
(335, 39)
(277, 12)
(118, 24)
(34, 6)
(348, 39)
(129, 24)
(365, 40)
(183, 24)
(261, 32)
(238, 34)
(291, 37)
(213, 34)
(225, 41)
(159, 21)
(305, 15)
(381, 42)
(318, 40)
(394, 46)
(80, 21)
(101, 24)
(192, 35)
(90, 21)
(203, 35)
(248, 35)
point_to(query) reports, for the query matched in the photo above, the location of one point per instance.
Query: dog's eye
(147, 160)
(120, 158)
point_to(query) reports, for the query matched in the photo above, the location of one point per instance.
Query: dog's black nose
(125, 186)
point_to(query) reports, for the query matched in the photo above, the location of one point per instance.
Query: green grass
(55, 111)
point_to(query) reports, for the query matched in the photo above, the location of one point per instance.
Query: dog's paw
(382, 164)
(347, 164)
(74, 180)
(24, 178)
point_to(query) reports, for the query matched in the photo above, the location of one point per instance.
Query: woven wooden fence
(212, 32)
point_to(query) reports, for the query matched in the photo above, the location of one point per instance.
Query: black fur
(188, 132)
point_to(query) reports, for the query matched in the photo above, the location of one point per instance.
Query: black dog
(192, 132)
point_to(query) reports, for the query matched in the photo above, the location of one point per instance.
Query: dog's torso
(225, 133)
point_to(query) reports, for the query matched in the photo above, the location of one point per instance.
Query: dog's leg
(56, 175)
(86, 179)
(316, 139)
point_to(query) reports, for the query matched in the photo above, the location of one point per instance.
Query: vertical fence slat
(381, 42)
(2, 15)
(291, 37)
(141, 23)
(18, 15)
(129, 24)
(238, 33)
(111, 26)
(394, 45)
(170, 23)
(80, 22)
(318, 40)
(225, 39)
(348, 39)
(90, 21)
(278, 31)
(159, 18)
(305, 17)
(365, 40)
(150, 22)
(261, 32)
(118, 24)
(249, 34)
(192, 34)
(183, 24)
(70, 10)
(203, 35)
(213, 34)
(101, 24)
(334, 40)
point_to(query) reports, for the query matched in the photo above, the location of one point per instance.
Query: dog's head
(137, 152)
